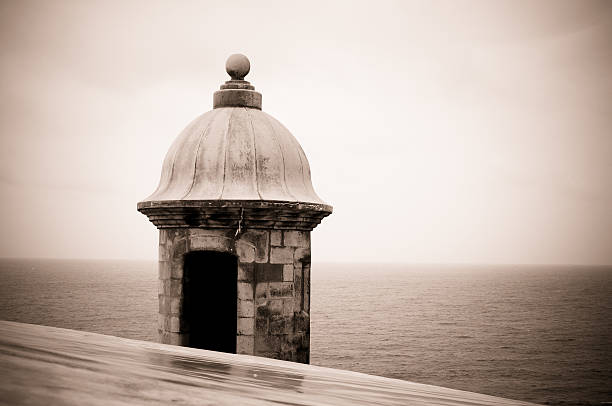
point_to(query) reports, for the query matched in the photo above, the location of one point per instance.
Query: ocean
(532, 333)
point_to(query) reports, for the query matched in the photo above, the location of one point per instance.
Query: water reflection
(216, 372)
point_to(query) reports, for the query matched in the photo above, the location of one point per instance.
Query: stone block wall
(273, 300)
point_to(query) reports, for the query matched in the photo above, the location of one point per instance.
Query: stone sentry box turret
(234, 208)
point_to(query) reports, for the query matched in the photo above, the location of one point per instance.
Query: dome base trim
(230, 213)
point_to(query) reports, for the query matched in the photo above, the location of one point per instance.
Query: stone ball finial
(237, 66)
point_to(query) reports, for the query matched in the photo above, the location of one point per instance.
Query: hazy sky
(439, 131)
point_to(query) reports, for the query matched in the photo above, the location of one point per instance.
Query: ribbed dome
(236, 153)
(235, 167)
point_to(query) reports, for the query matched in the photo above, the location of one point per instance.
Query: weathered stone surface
(276, 238)
(266, 344)
(164, 304)
(245, 291)
(302, 321)
(281, 289)
(163, 252)
(166, 337)
(287, 289)
(211, 243)
(175, 305)
(177, 339)
(302, 254)
(298, 303)
(245, 344)
(281, 255)
(245, 251)
(261, 326)
(288, 307)
(179, 248)
(164, 270)
(306, 287)
(277, 325)
(176, 287)
(275, 306)
(263, 311)
(175, 324)
(245, 272)
(246, 308)
(246, 325)
(274, 289)
(261, 290)
(259, 239)
(209, 232)
(176, 271)
(268, 272)
(296, 238)
(288, 273)
(166, 322)
(298, 269)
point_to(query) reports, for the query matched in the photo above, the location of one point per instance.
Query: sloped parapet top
(46, 365)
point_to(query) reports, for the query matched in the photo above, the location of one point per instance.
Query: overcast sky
(439, 131)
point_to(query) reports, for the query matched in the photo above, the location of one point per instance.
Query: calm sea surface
(540, 334)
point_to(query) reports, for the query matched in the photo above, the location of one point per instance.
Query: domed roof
(236, 152)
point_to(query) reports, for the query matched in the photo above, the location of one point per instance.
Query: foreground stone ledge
(105, 370)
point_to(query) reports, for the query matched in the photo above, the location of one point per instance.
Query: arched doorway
(210, 300)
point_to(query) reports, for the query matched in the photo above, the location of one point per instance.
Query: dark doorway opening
(210, 300)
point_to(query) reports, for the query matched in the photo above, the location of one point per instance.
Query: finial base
(237, 98)
(237, 84)
(237, 92)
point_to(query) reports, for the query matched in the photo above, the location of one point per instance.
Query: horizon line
(335, 262)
